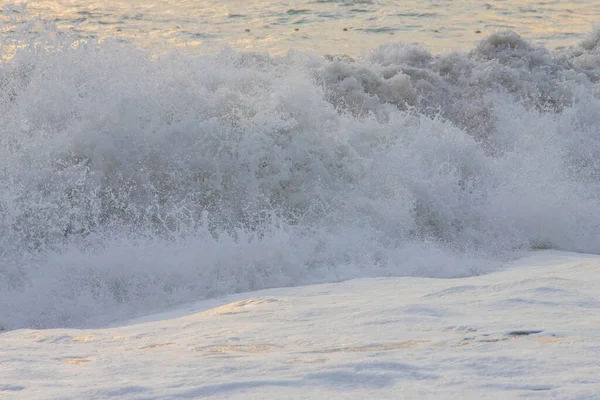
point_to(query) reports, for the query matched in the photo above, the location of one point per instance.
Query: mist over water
(131, 182)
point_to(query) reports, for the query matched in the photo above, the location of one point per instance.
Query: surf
(133, 181)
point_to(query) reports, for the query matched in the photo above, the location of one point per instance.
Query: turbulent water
(132, 181)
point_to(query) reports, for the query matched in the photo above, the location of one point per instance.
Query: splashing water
(132, 182)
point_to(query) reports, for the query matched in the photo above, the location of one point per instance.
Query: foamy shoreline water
(530, 331)
(186, 224)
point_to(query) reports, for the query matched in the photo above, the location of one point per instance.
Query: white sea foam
(132, 182)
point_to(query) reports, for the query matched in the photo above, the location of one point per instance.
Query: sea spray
(132, 181)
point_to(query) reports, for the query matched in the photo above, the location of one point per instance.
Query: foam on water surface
(131, 182)
(525, 332)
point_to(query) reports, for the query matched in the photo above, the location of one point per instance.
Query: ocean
(350, 27)
(155, 153)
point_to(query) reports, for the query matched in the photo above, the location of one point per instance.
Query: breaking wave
(131, 182)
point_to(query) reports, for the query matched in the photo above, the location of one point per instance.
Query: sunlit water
(132, 180)
(322, 26)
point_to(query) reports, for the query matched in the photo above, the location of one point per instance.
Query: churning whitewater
(132, 182)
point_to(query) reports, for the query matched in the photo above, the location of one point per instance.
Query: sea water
(350, 27)
(154, 153)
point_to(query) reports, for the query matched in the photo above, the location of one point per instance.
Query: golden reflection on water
(334, 27)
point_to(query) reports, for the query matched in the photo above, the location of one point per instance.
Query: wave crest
(131, 182)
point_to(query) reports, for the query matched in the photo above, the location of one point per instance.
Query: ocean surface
(351, 27)
(156, 153)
